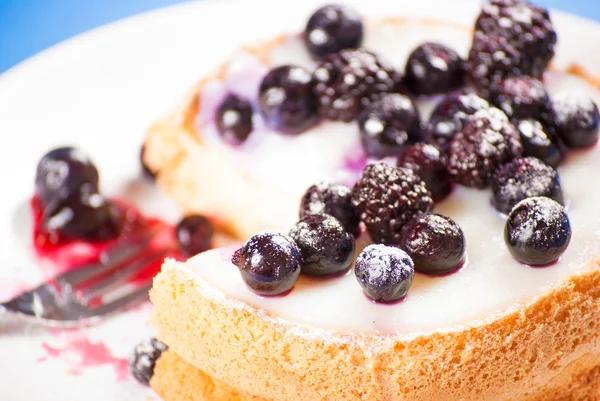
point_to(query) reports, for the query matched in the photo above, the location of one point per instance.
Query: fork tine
(134, 297)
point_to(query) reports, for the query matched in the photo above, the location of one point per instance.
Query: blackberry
(487, 142)
(350, 79)
(194, 234)
(387, 197)
(389, 125)
(575, 119)
(521, 97)
(327, 248)
(539, 141)
(144, 357)
(537, 231)
(332, 28)
(427, 162)
(449, 117)
(511, 38)
(234, 119)
(524, 178)
(434, 68)
(332, 199)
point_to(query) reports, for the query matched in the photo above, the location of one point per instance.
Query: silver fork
(85, 294)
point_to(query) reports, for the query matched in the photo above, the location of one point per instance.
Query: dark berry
(427, 162)
(435, 243)
(539, 141)
(521, 97)
(349, 80)
(269, 263)
(194, 234)
(537, 231)
(332, 199)
(389, 125)
(83, 215)
(434, 68)
(144, 357)
(332, 28)
(145, 169)
(234, 119)
(524, 178)
(487, 142)
(575, 119)
(511, 38)
(286, 99)
(387, 197)
(385, 273)
(64, 171)
(449, 117)
(327, 248)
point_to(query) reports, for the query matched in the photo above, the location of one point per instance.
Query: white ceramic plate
(100, 91)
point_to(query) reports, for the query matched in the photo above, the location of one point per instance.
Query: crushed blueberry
(487, 141)
(539, 141)
(434, 68)
(332, 28)
(388, 125)
(575, 119)
(385, 273)
(349, 80)
(332, 199)
(537, 231)
(427, 162)
(269, 263)
(524, 178)
(521, 97)
(143, 359)
(286, 99)
(234, 119)
(435, 243)
(327, 248)
(387, 197)
(194, 234)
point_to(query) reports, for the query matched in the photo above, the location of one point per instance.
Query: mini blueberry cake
(417, 214)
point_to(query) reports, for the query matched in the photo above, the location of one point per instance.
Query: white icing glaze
(490, 283)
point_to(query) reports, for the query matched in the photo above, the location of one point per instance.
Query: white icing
(490, 283)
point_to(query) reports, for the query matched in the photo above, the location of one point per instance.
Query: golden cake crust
(527, 353)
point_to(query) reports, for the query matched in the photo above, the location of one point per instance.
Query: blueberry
(389, 125)
(539, 141)
(145, 169)
(524, 178)
(428, 163)
(269, 263)
(327, 248)
(286, 99)
(385, 273)
(332, 28)
(63, 171)
(234, 119)
(434, 68)
(537, 231)
(435, 243)
(332, 199)
(194, 234)
(521, 97)
(575, 119)
(83, 215)
(143, 359)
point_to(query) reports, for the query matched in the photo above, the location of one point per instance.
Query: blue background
(29, 26)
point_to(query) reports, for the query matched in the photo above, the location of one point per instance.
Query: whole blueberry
(428, 163)
(389, 125)
(385, 273)
(435, 243)
(194, 234)
(434, 68)
(521, 97)
(575, 119)
(286, 99)
(143, 359)
(145, 169)
(234, 119)
(332, 199)
(63, 171)
(539, 141)
(269, 263)
(327, 248)
(332, 28)
(537, 231)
